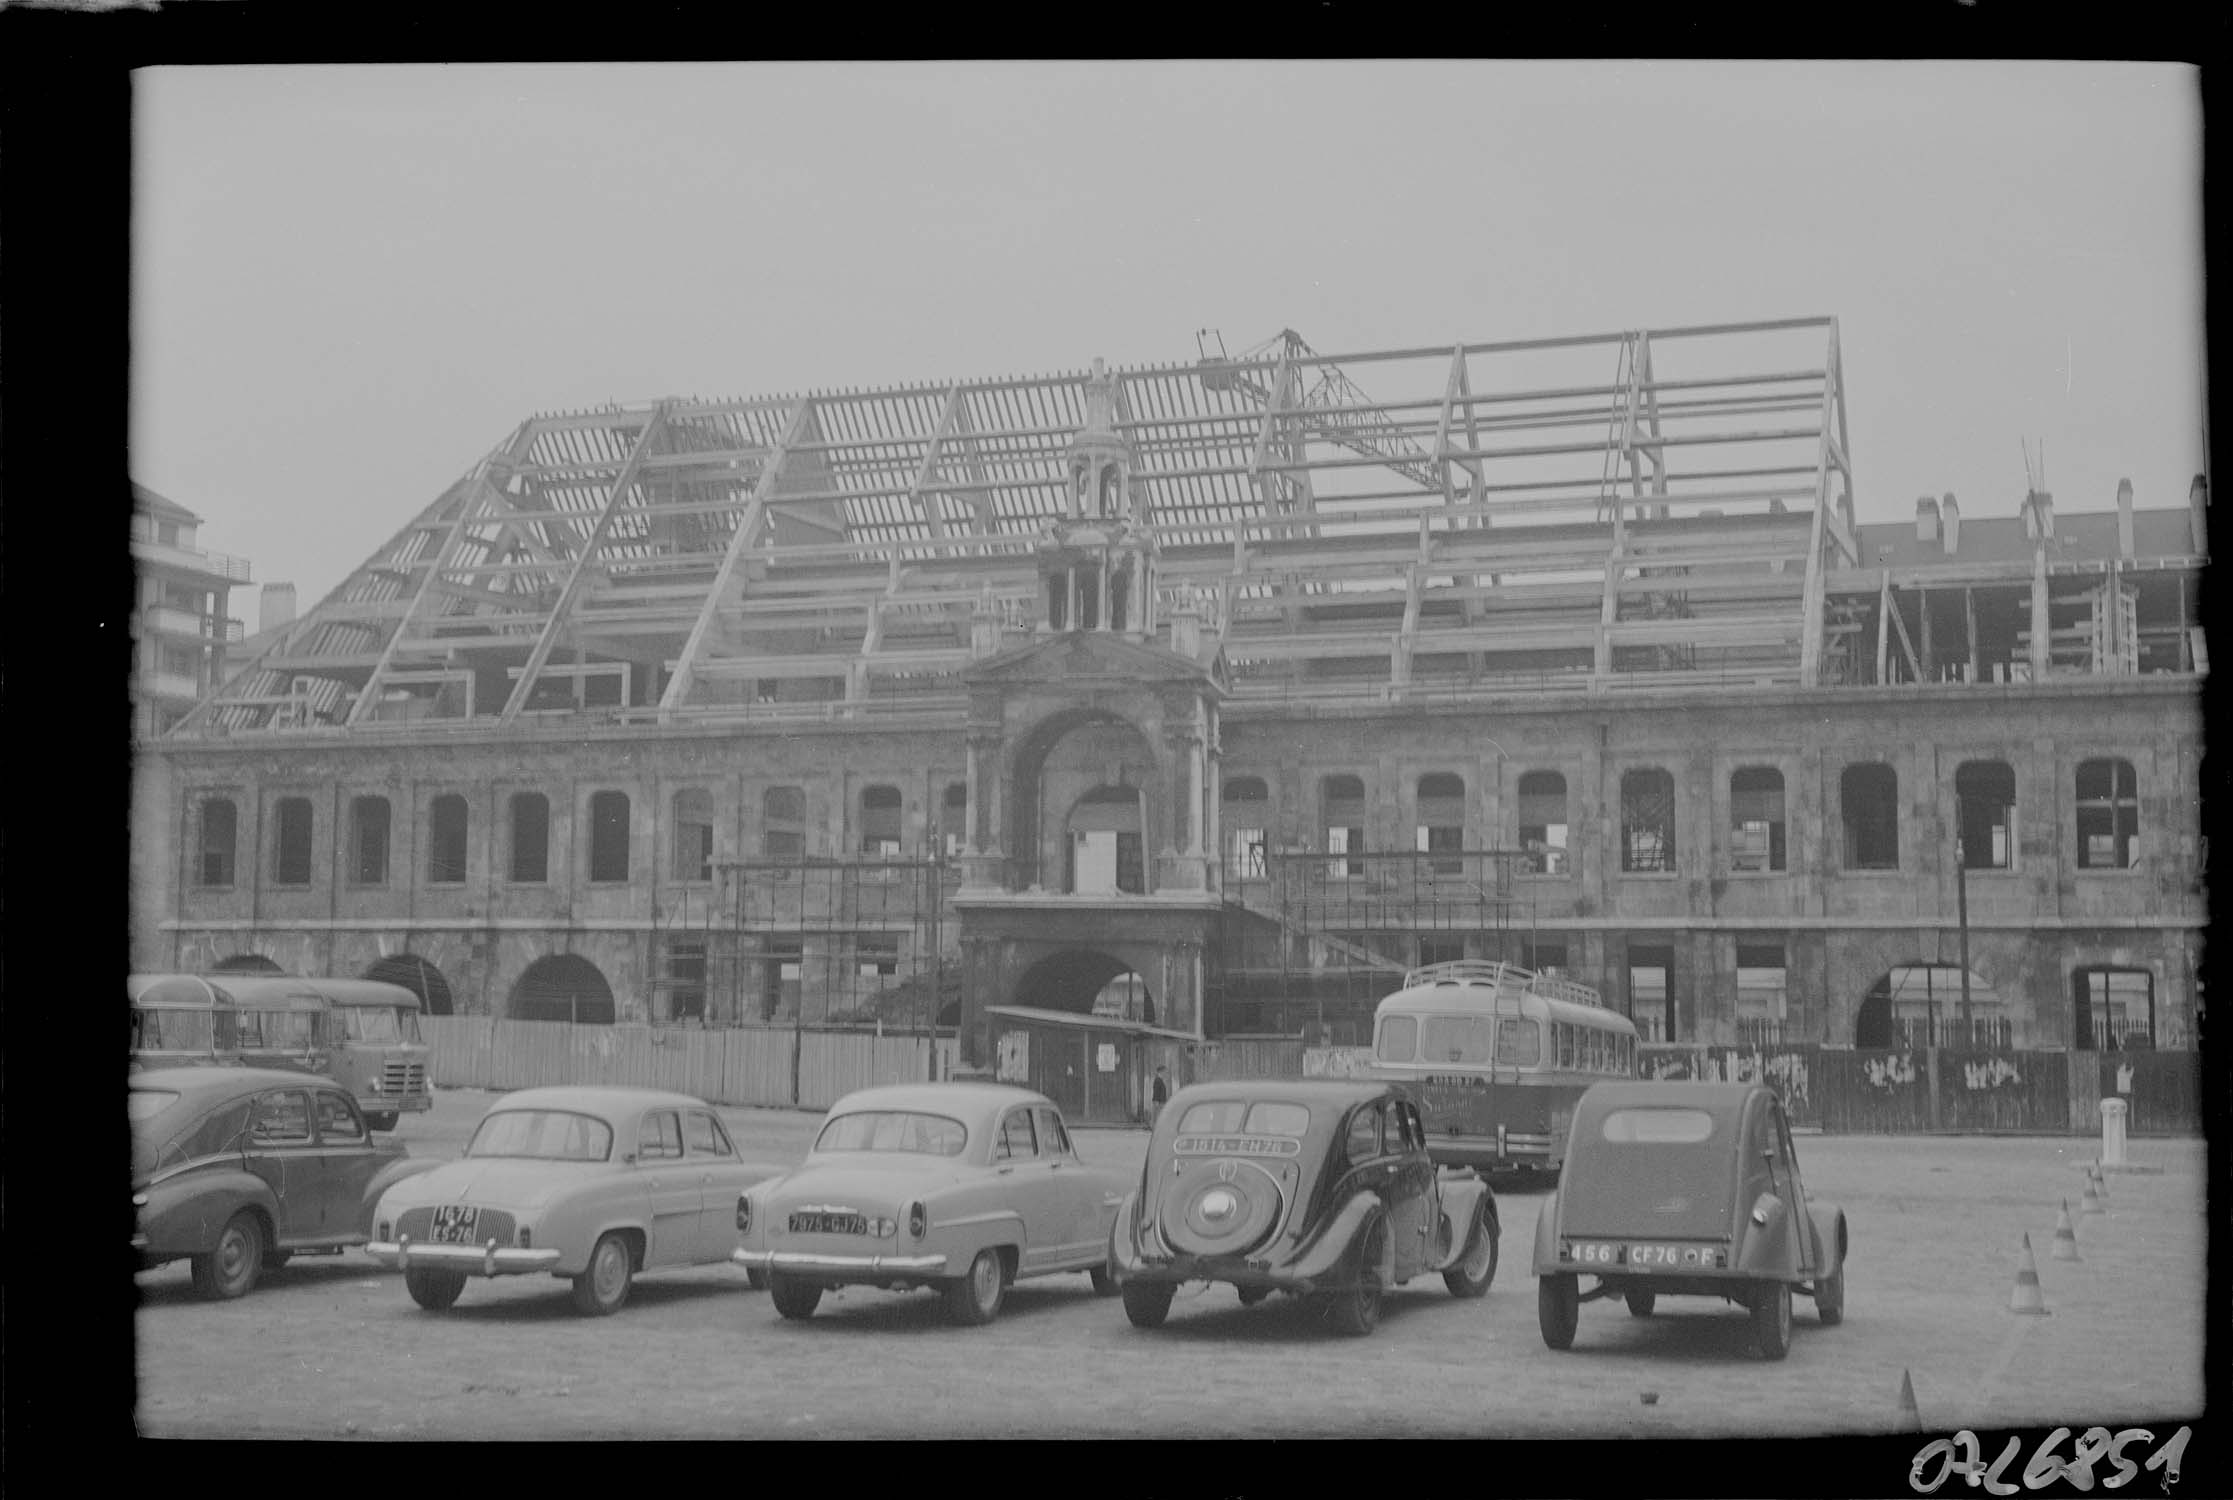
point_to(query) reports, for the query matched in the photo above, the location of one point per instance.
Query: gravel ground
(332, 1347)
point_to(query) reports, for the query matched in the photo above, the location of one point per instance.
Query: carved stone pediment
(1086, 658)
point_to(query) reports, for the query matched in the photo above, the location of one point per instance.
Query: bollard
(2112, 1132)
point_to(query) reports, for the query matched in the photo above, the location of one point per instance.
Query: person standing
(1159, 1092)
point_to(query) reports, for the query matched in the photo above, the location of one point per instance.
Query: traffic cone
(2026, 1298)
(2091, 1203)
(2066, 1238)
(1910, 1420)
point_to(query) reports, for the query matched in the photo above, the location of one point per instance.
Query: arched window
(1543, 821)
(693, 815)
(445, 845)
(290, 844)
(217, 843)
(2108, 815)
(880, 818)
(1341, 802)
(1756, 841)
(1647, 821)
(530, 838)
(1245, 813)
(783, 823)
(953, 818)
(1869, 800)
(1441, 826)
(368, 840)
(1985, 803)
(608, 836)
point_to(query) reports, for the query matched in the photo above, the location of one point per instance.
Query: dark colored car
(238, 1169)
(1686, 1190)
(1319, 1189)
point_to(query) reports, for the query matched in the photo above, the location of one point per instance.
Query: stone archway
(562, 987)
(418, 976)
(1076, 978)
(1067, 758)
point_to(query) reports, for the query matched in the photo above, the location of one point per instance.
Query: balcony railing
(219, 564)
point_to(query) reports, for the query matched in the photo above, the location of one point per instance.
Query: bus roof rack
(1496, 974)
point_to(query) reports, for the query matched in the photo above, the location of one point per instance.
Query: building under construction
(1215, 694)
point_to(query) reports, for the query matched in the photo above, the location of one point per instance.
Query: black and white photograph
(1174, 750)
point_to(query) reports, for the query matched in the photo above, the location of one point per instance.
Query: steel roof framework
(1650, 507)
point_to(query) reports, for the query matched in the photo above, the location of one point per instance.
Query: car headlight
(139, 1200)
(918, 1220)
(744, 1213)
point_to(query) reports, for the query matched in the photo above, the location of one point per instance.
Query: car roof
(597, 1099)
(218, 1082)
(940, 1097)
(1715, 1098)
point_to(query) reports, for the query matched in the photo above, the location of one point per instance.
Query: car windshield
(1670, 1127)
(377, 1023)
(893, 1130)
(146, 1104)
(543, 1135)
(1239, 1117)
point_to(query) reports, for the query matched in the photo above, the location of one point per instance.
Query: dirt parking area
(332, 1347)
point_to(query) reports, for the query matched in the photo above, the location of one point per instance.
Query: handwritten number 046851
(2045, 1468)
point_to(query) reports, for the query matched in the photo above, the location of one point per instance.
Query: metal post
(937, 961)
(1961, 909)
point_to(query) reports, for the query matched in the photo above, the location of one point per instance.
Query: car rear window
(1457, 1039)
(893, 1130)
(542, 1135)
(1658, 1126)
(1239, 1117)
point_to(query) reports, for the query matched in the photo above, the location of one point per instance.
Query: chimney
(2124, 518)
(1950, 522)
(2198, 514)
(276, 607)
(2039, 516)
(1926, 520)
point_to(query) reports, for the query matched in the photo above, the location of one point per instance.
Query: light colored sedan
(593, 1185)
(965, 1187)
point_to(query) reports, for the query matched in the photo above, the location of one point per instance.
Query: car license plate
(454, 1224)
(825, 1223)
(1644, 1257)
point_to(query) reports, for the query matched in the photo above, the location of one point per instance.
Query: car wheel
(1471, 1276)
(436, 1291)
(1104, 1281)
(1558, 1306)
(384, 1121)
(756, 1277)
(1355, 1310)
(1641, 1300)
(793, 1298)
(1771, 1318)
(274, 1259)
(600, 1290)
(1829, 1297)
(1251, 1295)
(975, 1298)
(232, 1267)
(1147, 1303)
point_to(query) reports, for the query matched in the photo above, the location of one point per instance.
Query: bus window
(1457, 1039)
(1596, 1062)
(1565, 1044)
(1519, 1042)
(1399, 1039)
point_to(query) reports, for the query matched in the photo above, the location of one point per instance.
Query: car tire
(1641, 1300)
(1355, 1309)
(1471, 1276)
(602, 1290)
(434, 1290)
(756, 1277)
(1829, 1298)
(1771, 1318)
(384, 1121)
(230, 1269)
(793, 1298)
(1558, 1307)
(975, 1298)
(1147, 1303)
(1104, 1281)
(1251, 1295)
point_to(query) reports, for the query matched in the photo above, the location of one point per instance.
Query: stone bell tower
(1097, 559)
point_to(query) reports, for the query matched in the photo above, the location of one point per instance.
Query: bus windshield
(1519, 1042)
(176, 1030)
(378, 1023)
(1457, 1039)
(293, 1030)
(1399, 1039)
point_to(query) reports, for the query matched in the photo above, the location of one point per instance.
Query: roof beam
(469, 505)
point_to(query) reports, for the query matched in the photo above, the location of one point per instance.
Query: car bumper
(471, 1260)
(1238, 1273)
(839, 1267)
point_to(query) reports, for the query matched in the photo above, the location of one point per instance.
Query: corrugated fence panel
(1248, 1057)
(1879, 1092)
(2013, 1091)
(2162, 1092)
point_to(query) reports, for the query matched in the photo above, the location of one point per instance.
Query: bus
(361, 1033)
(1498, 1055)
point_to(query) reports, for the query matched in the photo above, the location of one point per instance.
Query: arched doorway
(419, 977)
(562, 987)
(1920, 1005)
(247, 963)
(1088, 982)
(1089, 761)
(1105, 846)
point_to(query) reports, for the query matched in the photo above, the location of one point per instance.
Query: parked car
(592, 1185)
(966, 1187)
(238, 1169)
(1322, 1190)
(1686, 1190)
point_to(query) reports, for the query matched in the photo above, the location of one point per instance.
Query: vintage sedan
(238, 1169)
(966, 1187)
(592, 1185)
(1686, 1190)
(1322, 1190)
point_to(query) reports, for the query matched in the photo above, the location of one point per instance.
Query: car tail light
(744, 1214)
(385, 1226)
(139, 1200)
(526, 1238)
(918, 1220)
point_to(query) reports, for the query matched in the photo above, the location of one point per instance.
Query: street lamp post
(1961, 910)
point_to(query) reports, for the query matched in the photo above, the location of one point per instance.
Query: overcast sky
(352, 282)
